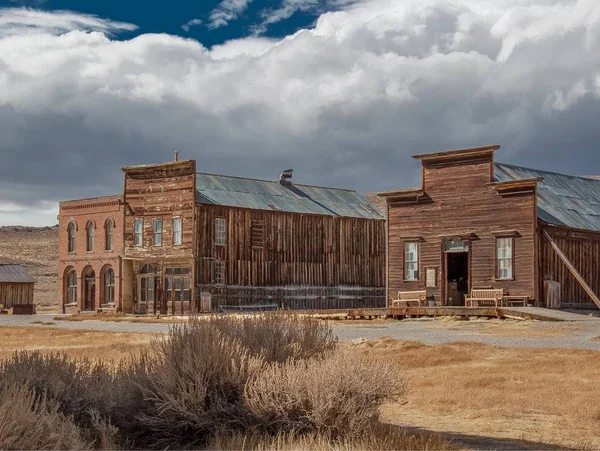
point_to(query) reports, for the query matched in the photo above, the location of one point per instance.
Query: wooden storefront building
(474, 223)
(16, 286)
(192, 242)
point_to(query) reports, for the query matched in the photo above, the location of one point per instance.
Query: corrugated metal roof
(14, 274)
(271, 195)
(564, 200)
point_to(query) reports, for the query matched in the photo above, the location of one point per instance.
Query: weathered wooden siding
(274, 249)
(582, 248)
(16, 293)
(162, 192)
(461, 202)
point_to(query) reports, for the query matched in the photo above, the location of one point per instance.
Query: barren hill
(36, 249)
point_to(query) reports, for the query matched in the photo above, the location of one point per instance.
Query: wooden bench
(515, 300)
(484, 296)
(406, 297)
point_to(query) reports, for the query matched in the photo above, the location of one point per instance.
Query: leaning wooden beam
(574, 271)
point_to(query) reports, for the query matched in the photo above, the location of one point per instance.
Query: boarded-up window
(504, 258)
(411, 261)
(177, 233)
(72, 231)
(157, 229)
(138, 231)
(258, 233)
(219, 272)
(220, 231)
(109, 235)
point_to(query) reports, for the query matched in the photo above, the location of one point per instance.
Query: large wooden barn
(202, 242)
(16, 286)
(474, 223)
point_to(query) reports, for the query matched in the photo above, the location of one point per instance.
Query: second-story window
(138, 228)
(157, 228)
(72, 230)
(220, 231)
(177, 233)
(90, 236)
(108, 244)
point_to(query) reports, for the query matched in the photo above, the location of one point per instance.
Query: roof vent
(285, 175)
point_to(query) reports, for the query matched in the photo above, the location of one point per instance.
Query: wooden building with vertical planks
(475, 223)
(206, 242)
(16, 286)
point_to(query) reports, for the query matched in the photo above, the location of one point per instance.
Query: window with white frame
(504, 258)
(138, 232)
(157, 232)
(220, 231)
(177, 233)
(411, 261)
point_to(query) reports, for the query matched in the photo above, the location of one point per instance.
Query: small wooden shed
(16, 286)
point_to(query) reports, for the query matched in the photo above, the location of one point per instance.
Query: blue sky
(342, 91)
(170, 16)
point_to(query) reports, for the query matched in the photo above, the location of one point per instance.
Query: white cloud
(20, 21)
(368, 86)
(191, 23)
(286, 9)
(227, 11)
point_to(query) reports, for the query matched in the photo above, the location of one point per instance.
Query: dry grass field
(519, 397)
(76, 343)
(36, 249)
(477, 395)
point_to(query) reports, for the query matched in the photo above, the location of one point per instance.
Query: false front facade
(203, 242)
(477, 224)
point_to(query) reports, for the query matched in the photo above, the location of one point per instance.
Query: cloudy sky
(343, 91)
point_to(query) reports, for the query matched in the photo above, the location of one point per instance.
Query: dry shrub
(340, 395)
(277, 337)
(30, 421)
(82, 389)
(191, 384)
(381, 437)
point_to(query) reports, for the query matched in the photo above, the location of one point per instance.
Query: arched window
(109, 286)
(72, 287)
(72, 229)
(109, 235)
(90, 236)
(148, 269)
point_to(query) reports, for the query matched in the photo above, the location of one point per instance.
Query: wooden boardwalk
(537, 313)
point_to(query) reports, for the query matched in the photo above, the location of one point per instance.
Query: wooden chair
(484, 296)
(405, 298)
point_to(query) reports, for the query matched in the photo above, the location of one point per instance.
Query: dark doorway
(457, 277)
(89, 289)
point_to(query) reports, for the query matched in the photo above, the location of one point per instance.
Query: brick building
(90, 255)
(176, 233)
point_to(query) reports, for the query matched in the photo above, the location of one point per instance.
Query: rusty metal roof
(563, 200)
(272, 195)
(14, 274)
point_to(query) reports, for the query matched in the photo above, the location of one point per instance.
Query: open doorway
(457, 277)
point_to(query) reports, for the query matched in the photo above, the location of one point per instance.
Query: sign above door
(456, 246)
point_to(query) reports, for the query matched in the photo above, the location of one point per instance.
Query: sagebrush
(264, 376)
